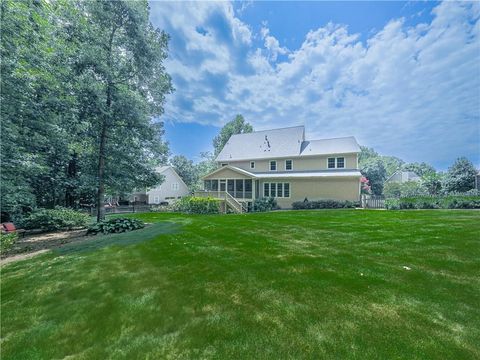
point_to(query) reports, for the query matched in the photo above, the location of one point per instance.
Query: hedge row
(427, 202)
(324, 204)
(197, 205)
(55, 219)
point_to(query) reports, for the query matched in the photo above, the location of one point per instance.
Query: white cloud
(407, 91)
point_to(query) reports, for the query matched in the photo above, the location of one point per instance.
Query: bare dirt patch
(32, 245)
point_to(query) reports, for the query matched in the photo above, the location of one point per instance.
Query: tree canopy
(81, 83)
(236, 126)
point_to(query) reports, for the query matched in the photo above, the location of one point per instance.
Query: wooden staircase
(236, 206)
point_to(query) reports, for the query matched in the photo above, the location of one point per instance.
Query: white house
(171, 189)
(403, 176)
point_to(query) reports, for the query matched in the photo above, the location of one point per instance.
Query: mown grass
(306, 284)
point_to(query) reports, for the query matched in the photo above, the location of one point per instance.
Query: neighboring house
(280, 163)
(171, 189)
(477, 181)
(400, 176)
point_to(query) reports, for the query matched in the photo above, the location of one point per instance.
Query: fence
(124, 209)
(373, 202)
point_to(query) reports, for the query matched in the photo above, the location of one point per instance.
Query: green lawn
(317, 284)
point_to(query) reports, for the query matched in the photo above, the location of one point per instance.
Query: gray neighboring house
(281, 163)
(171, 189)
(400, 176)
(477, 181)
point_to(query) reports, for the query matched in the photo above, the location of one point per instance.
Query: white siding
(170, 190)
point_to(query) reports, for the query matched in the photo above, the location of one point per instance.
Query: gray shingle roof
(281, 143)
(263, 144)
(330, 146)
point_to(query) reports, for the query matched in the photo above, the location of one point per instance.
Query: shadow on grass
(93, 243)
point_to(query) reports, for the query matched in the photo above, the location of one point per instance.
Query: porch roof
(291, 174)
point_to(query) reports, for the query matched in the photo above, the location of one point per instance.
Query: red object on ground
(9, 227)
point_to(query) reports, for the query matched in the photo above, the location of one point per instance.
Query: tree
(124, 87)
(206, 166)
(236, 126)
(432, 182)
(420, 169)
(460, 177)
(390, 163)
(374, 170)
(186, 169)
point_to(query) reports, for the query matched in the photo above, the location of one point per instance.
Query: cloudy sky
(402, 77)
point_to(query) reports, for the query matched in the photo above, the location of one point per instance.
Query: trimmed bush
(115, 225)
(197, 205)
(264, 204)
(429, 202)
(7, 240)
(56, 219)
(324, 204)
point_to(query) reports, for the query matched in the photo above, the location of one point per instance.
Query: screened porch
(238, 188)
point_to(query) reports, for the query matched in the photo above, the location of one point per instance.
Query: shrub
(56, 219)
(264, 204)
(115, 225)
(7, 240)
(324, 204)
(198, 205)
(439, 202)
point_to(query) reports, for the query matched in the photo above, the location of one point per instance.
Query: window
(336, 163)
(340, 162)
(223, 185)
(278, 190)
(224, 164)
(273, 165)
(156, 199)
(214, 185)
(252, 164)
(288, 164)
(273, 188)
(331, 163)
(175, 186)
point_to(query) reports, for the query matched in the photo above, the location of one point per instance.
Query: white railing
(236, 205)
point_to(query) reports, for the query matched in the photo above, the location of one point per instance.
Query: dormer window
(224, 164)
(336, 163)
(273, 165)
(252, 164)
(288, 164)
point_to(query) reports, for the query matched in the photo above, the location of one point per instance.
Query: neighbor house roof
(282, 143)
(403, 176)
(291, 174)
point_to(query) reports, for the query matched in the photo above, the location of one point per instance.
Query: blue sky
(402, 77)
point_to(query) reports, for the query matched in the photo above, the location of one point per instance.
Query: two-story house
(280, 163)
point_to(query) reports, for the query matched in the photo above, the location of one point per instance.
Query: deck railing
(236, 205)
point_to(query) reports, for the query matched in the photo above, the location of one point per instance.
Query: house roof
(282, 143)
(405, 176)
(263, 144)
(291, 174)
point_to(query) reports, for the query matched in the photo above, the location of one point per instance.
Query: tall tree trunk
(101, 158)
(101, 174)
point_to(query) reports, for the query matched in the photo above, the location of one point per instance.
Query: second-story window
(331, 163)
(252, 164)
(340, 162)
(224, 164)
(273, 165)
(288, 164)
(336, 163)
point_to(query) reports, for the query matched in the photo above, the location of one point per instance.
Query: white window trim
(286, 165)
(252, 163)
(276, 190)
(270, 165)
(336, 162)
